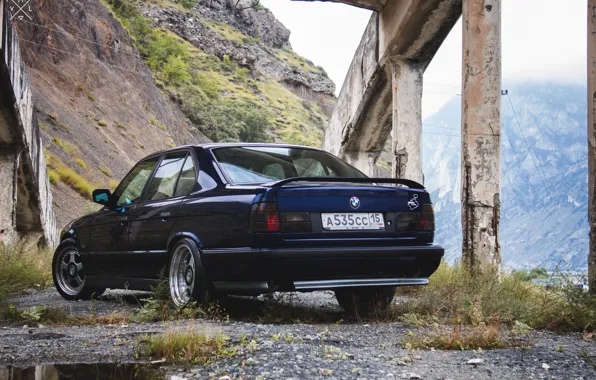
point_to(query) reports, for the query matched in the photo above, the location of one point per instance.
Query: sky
(542, 40)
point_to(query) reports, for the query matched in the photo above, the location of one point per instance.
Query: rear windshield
(267, 164)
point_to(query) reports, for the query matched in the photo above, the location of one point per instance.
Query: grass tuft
(80, 163)
(23, 266)
(105, 170)
(188, 347)
(75, 181)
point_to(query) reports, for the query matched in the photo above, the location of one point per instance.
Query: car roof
(209, 146)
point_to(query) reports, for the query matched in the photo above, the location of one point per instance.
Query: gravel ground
(321, 349)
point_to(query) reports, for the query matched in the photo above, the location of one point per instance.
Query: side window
(163, 184)
(187, 179)
(131, 188)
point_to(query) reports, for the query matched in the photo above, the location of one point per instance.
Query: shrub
(228, 120)
(208, 85)
(186, 3)
(102, 123)
(23, 266)
(105, 170)
(52, 115)
(120, 125)
(153, 120)
(80, 163)
(162, 127)
(91, 97)
(175, 70)
(228, 65)
(453, 295)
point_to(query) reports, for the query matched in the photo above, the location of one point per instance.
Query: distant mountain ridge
(544, 176)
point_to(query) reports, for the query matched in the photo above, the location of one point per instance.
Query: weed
(332, 352)
(59, 317)
(142, 146)
(120, 125)
(105, 170)
(53, 177)
(188, 347)
(102, 123)
(23, 266)
(454, 295)
(75, 181)
(58, 141)
(80, 163)
(52, 115)
(153, 120)
(91, 97)
(162, 127)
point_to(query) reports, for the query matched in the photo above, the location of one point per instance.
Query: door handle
(165, 214)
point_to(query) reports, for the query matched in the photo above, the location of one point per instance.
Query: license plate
(353, 221)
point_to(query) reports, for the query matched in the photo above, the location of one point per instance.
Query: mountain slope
(544, 180)
(116, 81)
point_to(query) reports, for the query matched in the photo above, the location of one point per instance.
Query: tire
(186, 274)
(69, 275)
(365, 301)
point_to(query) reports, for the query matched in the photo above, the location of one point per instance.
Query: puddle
(83, 372)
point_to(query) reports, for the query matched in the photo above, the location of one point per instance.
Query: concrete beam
(407, 120)
(592, 142)
(481, 133)
(410, 30)
(375, 5)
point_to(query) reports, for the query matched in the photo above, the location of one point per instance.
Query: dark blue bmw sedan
(249, 219)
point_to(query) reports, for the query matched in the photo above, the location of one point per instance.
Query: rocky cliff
(116, 81)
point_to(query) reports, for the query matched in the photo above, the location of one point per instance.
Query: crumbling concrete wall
(407, 120)
(481, 132)
(368, 106)
(30, 204)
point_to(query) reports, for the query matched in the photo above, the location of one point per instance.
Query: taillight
(407, 221)
(264, 217)
(427, 218)
(296, 222)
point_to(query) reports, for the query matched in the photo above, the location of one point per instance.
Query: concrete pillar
(407, 119)
(481, 133)
(7, 196)
(592, 142)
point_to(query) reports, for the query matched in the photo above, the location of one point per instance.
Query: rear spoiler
(397, 181)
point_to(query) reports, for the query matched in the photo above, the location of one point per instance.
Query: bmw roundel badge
(355, 202)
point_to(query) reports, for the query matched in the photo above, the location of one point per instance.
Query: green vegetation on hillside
(220, 97)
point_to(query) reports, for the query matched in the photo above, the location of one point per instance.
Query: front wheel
(365, 301)
(69, 275)
(186, 274)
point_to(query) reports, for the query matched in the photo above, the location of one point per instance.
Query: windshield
(268, 164)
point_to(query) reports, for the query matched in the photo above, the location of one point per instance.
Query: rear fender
(176, 237)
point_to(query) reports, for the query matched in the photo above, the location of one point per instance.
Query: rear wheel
(186, 274)
(366, 301)
(69, 275)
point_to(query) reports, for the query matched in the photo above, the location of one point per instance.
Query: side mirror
(102, 196)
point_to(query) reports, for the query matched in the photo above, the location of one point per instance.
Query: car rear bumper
(313, 268)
